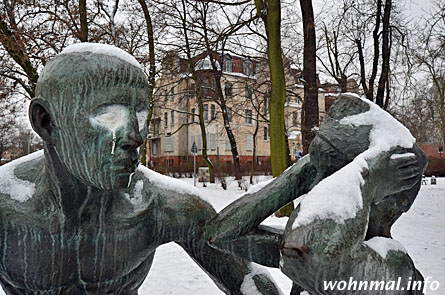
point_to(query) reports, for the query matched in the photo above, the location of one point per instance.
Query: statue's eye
(112, 117)
(142, 119)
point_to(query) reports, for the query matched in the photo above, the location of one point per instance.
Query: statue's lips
(125, 167)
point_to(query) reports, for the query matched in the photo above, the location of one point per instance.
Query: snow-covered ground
(421, 231)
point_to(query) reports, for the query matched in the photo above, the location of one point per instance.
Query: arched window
(248, 67)
(227, 63)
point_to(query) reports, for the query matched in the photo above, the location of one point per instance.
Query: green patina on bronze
(95, 218)
(324, 249)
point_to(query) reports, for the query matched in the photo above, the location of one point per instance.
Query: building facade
(245, 89)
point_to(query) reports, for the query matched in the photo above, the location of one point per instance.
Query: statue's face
(100, 143)
(325, 157)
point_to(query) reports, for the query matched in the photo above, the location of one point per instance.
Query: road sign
(194, 149)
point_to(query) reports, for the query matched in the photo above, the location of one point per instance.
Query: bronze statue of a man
(83, 217)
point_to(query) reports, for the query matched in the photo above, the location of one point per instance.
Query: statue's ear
(40, 118)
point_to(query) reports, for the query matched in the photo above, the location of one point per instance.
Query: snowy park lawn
(421, 231)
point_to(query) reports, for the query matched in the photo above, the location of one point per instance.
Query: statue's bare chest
(95, 250)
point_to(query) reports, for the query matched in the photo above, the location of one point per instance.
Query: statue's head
(90, 109)
(336, 144)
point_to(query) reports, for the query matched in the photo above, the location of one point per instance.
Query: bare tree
(309, 116)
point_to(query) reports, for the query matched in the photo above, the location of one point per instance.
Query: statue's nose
(132, 138)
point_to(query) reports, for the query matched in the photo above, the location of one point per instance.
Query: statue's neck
(68, 193)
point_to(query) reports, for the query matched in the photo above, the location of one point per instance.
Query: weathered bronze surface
(324, 249)
(92, 219)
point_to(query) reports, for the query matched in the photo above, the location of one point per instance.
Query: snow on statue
(362, 172)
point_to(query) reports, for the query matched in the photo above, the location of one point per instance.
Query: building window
(212, 141)
(249, 116)
(227, 63)
(165, 95)
(248, 92)
(154, 148)
(172, 115)
(166, 119)
(294, 119)
(193, 115)
(227, 144)
(229, 114)
(266, 133)
(249, 143)
(266, 102)
(212, 112)
(155, 129)
(248, 67)
(440, 149)
(168, 144)
(228, 89)
(206, 112)
(172, 97)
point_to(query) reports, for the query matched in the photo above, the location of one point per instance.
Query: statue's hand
(393, 172)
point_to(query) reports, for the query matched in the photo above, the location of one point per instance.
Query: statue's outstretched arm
(246, 213)
(187, 214)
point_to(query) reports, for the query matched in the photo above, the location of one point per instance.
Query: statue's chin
(114, 182)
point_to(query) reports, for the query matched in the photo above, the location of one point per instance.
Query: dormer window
(247, 67)
(227, 63)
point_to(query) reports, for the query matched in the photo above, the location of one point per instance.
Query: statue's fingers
(405, 162)
(408, 173)
(408, 183)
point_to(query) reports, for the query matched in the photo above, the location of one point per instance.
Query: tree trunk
(375, 62)
(271, 16)
(309, 116)
(152, 69)
(255, 133)
(15, 46)
(385, 55)
(83, 33)
(272, 21)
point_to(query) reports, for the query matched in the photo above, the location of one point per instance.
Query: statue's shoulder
(18, 178)
(172, 193)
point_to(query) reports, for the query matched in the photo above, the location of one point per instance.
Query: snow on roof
(18, 189)
(383, 245)
(324, 78)
(171, 183)
(237, 74)
(338, 197)
(104, 49)
(206, 64)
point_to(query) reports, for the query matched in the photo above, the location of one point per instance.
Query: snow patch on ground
(104, 49)
(19, 190)
(383, 245)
